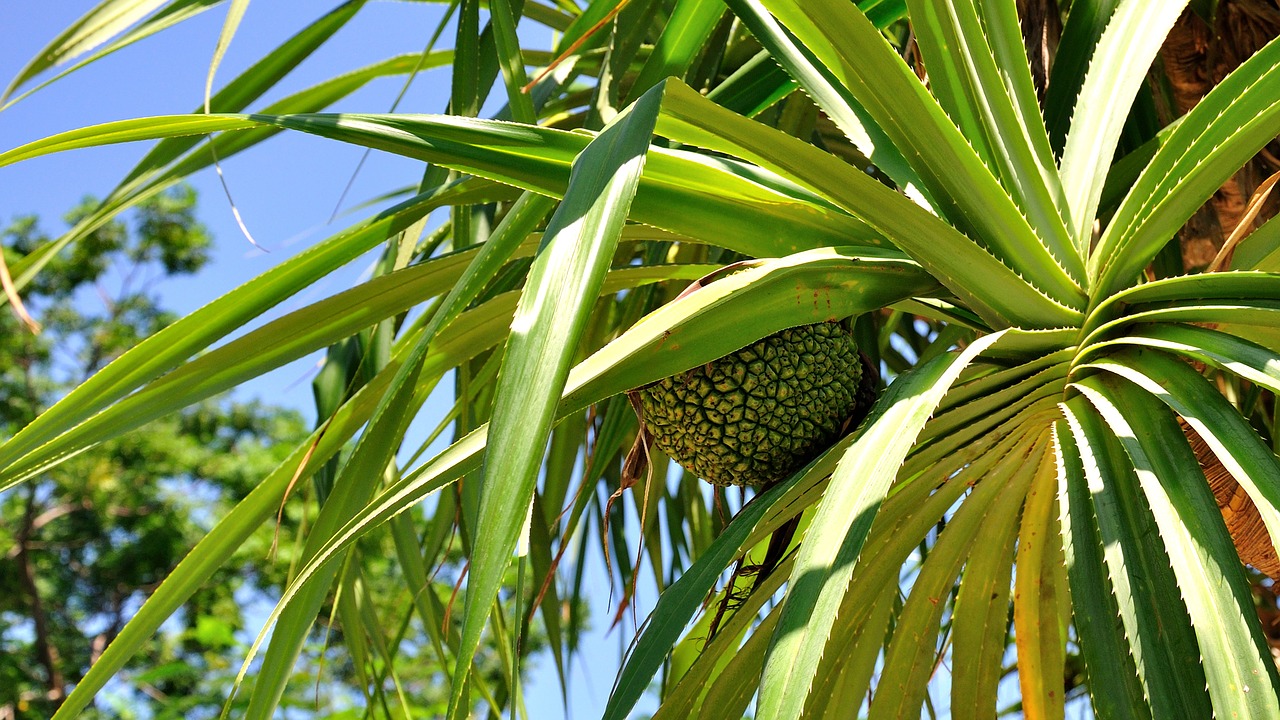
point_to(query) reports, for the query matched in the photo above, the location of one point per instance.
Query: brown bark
(1041, 30)
(1244, 523)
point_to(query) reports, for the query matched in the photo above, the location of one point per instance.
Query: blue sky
(285, 189)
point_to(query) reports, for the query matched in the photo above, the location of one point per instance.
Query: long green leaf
(1252, 318)
(785, 289)
(990, 97)
(168, 348)
(1240, 672)
(1249, 360)
(980, 617)
(578, 248)
(235, 13)
(744, 208)
(1187, 291)
(1039, 635)
(683, 37)
(162, 126)
(1117, 70)
(736, 310)
(909, 661)
(147, 178)
(93, 28)
(376, 449)
(173, 13)
(1153, 615)
(1086, 19)
(1114, 687)
(503, 19)
(826, 90)
(1229, 435)
(834, 541)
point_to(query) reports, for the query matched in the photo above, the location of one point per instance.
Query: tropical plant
(1022, 492)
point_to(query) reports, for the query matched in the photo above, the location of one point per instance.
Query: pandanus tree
(1024, 498)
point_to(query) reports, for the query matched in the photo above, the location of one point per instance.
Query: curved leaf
(1229, 435)
(150, 175)
(744, 208)
(993, 504)
(1250, 361)
(168, 348)
(106, 19)
(1114, 687)
(980, 618)
(377, 447)
(825, 89)
(173, 13)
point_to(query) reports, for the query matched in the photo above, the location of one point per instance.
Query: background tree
(84, 543)
(88, 540)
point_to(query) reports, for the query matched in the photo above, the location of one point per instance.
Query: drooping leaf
(993, 504)
(1154, 618)
(1240, 672)
(1114, 687)
(376, 449)
(1039, 634)
(1235, 444)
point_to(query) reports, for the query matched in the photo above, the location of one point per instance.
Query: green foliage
(1021, 508)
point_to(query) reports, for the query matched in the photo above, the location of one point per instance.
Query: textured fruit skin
(757, 415)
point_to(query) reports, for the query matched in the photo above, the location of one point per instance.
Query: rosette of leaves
(1004, 224)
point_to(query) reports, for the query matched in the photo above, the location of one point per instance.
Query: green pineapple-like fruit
(757, 415)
